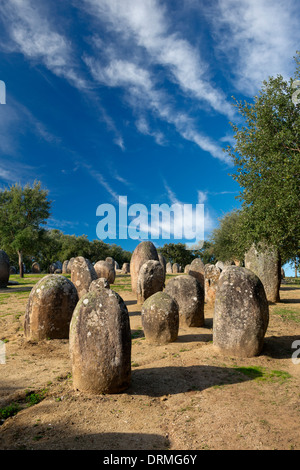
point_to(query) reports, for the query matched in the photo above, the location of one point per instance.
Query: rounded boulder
(49, 308)
(189, 295)
(241, 314)
(160, 319)
(100, 343)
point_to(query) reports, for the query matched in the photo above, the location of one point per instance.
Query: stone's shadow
(289, 301)
(287, 288)
(130, 302)
(279, 347)
(194, 338)
(160, 381)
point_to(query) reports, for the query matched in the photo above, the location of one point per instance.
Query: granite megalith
(100, 343)
(49, 308)
(145, 251)
(151, 279)
(241, 313)
(160, 319)
(189, 295)
(82, 274)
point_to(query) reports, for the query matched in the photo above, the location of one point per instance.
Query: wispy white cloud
(146, 24)
(33, 35)
(141, 93)
(258, 37)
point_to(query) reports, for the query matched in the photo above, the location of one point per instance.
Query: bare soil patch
(183, 396)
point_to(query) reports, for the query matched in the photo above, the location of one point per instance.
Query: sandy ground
(183, 396)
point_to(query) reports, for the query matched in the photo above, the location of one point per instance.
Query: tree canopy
(266, 155)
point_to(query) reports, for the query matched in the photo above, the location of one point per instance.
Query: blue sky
(109, 98)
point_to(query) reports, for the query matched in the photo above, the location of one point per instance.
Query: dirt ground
(183, 396)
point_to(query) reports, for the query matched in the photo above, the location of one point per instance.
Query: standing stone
(224, 264)
(100, 343)
(151, 279)
(126, 268)
(189, 295)
(12, 270)
(105, 269)
(197, 269)
(110, 261)
(160, 319)
(116, 266)
(175, 268)
(100, 283)
(4, 269)
(35, 268)
(163, 262)
(265, 263)
(49, 308)
(187, 269)
(212, 274)
(145, 251)
(70, 264)
(282, 273)
(241, 313)
(82, 274)
(169, 268)
(65, 267)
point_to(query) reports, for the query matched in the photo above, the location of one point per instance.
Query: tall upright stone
(241, 314)
(265, 262)
(175, 268)
(169, 268)
(65, 267)
(163, 262)
(212, 274)
(197, 269)
(126, 268)
(4, 269)
(49, 308)
(189, 295)
(151, 279)
(35, 268)
(145, 251)
(160, 319)
(82, 274)
(100, 343)
(106, 269)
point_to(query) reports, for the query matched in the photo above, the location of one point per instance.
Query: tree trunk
(21, 267)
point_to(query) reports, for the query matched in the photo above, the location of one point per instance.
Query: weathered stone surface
(160, 319)
(151, 279)
(241, 313)
(12, 270)
(116, 265)
(100, 343)
(65, 266)
(265, 263)
(106, 269)
(54, 266)
(126, 268)
(169, 268)
(224, 264)
(58, 271)
(197, 270)
(100, 283)
(49, 308)
(187, 269)
(110, 261)
(163, 262)
(212, 274)
(82, 274)
(189, 295)
(4, 269)
(35, 268)
(175, 268)
(145, 251)
(70, 264)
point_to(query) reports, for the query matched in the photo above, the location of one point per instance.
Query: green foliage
(176, 253)
(22, 213)
(226, 240)
(9, 410)
(267, 166)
